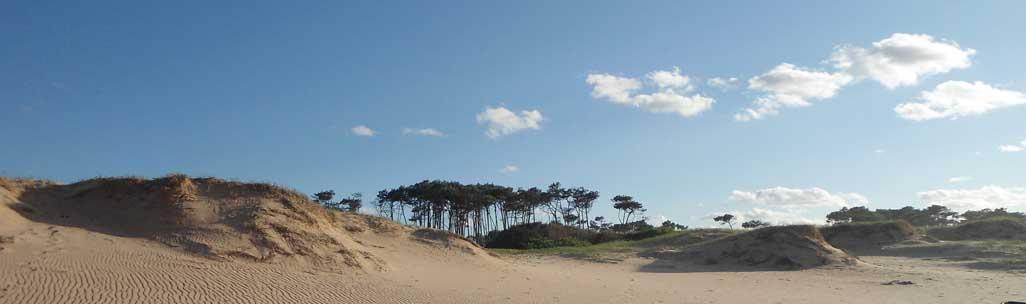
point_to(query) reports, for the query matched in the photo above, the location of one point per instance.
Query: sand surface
(52, 264)
(43, 261)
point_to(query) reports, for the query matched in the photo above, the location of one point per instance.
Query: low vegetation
(621, 248)
(867, 235)
(994, 228)
(539, 235)
(934, 215)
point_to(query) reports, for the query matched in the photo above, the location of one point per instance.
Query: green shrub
(536, 235)
(605, 237)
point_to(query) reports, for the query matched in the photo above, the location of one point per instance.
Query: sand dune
(183, 240)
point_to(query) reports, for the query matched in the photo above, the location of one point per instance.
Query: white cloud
(955, 99)
(723, 83)
(973, 199)
(509, 169)
(362, 130)
(775, 217)
(656, 220)
(502, 121)
(879, 151)
(959, 179)
(791, 198)
(899, 60)
(616, 89)
(423, 132)
(667, 99)
(669, 79)
(788, 86)
(902, 59)
(1011, 148)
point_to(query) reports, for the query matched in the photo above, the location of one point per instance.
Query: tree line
(934, 215)
(476, 209)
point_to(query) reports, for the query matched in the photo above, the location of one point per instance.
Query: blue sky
(269, 91)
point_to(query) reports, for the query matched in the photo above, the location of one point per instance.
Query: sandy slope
(45, 262)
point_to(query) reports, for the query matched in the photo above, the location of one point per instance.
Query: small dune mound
(868, 236)
(1002, 228)
(212, 217)
(788, 247)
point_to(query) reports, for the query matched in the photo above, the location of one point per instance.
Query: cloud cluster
(423, 132)
(956, 99)
(1013, 148)
(501, 121)
(775, 217)
(959, 179)
(362, 130)
(899, 60)
(670, 95)
(973, 199)
(902, 59)
(792, 198)
(789, 86)
(723, 83)
(785, 206)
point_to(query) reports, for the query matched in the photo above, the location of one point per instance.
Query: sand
(48, 261)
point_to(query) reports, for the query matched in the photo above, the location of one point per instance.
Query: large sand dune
(184, 240)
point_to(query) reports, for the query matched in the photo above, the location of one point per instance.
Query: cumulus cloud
(789, 86)
(502, 121)
(959, 179)
(775, 217)
(956, 99)
(899, 60)
(1013, 148)
(423, 132)
(973, 199)
(723, 83)
(614, 88)
(671, 102)
(509, 169)
(362, 130)
(669, 79)
(669, 97)
(902, 59)
(792, 198)
(656, 220)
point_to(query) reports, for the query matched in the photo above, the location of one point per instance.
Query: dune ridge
(214, 218)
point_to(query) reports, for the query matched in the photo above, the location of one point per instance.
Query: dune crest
(789, 247)
(219, 219)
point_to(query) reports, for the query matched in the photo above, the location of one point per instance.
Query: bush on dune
(994, 228)
(541, 235)
(533, 235)
(867, 235)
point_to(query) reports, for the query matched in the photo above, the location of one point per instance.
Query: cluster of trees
(476, 209)
(728, 219)
(934, 215)
(353, 203)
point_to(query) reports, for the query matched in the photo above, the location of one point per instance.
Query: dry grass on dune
(784, 247)
(869, 235)
(215, 218)
(998, 228)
